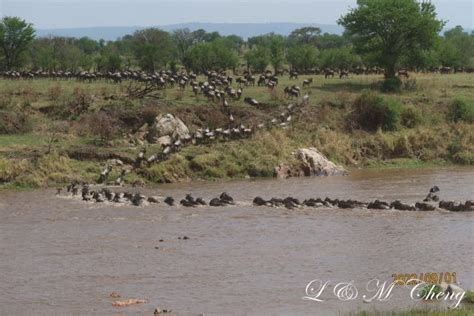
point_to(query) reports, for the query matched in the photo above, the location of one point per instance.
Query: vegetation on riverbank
(57, 131)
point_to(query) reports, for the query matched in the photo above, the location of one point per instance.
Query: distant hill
(244, 30)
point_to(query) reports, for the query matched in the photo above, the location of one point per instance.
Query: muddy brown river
(63, 256)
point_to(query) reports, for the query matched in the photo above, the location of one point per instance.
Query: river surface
(63, 256)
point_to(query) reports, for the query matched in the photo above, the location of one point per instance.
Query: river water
(64, 256)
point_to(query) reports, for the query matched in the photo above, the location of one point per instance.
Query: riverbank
(55, 132)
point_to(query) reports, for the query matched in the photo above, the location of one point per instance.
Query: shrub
(70, 106)
(10, 169)
(54, 92)
(103, 126)
(371, 111)
(391, 85)
(149, 113)
(411, 117)
(461, 110)
(14, 122)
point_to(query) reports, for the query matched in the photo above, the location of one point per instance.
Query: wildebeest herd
(166, 78)
(105, 194)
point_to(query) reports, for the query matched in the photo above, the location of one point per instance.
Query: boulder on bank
(167, 125)
(314, 163)
(164, 141)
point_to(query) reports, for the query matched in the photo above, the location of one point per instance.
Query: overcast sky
(86, 13)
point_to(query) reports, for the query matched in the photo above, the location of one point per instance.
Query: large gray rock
(314, 163)
(164, 141)
(167, 125)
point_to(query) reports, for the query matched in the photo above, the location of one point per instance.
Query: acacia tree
(389, 30)
(305, 35)
(15, 36)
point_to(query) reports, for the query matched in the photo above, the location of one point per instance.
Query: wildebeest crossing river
(62, 255)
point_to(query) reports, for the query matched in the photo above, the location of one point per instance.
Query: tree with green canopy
(305, 35)
(217, 55)
(257, 59)
(457, 48)
(152, 48)
(388, 30)
(15, 36)
(302, 57)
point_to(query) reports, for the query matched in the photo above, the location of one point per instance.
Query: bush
(411, 117)
(149, 114)
(102, 125)
(14, 122)
(370, 112)
(10, 169)
(461, 110)
(391, 85)
(54, 92)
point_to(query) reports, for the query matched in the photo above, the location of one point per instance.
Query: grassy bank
(52, 132)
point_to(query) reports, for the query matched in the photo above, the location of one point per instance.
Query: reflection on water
(64, 256)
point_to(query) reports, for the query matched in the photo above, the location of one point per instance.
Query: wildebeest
(328, 73)
(294, 91)
(445, 70)
(251, 101)
(403, 73)
(343, 73)
(307, 82)
(293, 74)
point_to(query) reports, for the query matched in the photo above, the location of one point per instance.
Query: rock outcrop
(167, 125)
(314, 163)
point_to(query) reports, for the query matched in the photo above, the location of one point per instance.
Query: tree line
(404, 34)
